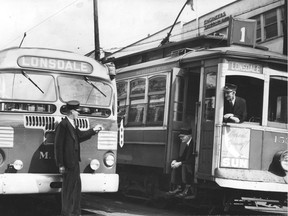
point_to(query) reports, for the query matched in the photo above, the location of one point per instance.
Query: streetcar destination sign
(244, 67)
(55, 64)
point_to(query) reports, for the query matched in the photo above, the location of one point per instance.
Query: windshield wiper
(94, 86)
(26, 75)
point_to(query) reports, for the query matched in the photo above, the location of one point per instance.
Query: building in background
(271, 27)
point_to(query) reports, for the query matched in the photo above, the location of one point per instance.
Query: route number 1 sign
(242, 32)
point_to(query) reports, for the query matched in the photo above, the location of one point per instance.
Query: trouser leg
(71, 192)
(186, 174)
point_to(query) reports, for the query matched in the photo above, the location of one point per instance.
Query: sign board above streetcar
(242, 32)
(54, 64)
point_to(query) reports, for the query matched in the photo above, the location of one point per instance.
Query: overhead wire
(40, 23)
(135, 45)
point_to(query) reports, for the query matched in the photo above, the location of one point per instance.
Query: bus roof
(42, 59)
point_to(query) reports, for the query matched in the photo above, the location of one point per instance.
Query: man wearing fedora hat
(182, 170)
(234, 107)
(67, 155)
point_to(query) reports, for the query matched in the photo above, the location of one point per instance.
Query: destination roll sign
(55, 64)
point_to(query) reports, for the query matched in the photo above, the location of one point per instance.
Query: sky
(69, 24)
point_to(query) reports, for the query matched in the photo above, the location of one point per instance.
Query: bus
(35, 84)
(159, 94)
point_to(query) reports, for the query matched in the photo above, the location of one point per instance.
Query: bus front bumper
(51, 183)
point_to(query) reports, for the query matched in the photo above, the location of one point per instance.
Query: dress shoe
(174, 192)
(186, 192)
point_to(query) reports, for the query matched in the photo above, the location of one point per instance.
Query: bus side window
(277, 110)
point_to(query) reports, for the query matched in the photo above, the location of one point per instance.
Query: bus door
(184, 96)
(206, 125)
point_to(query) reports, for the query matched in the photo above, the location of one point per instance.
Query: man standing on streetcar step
(67, 155)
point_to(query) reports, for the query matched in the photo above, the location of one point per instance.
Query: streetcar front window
(88, 91)
(37, 87)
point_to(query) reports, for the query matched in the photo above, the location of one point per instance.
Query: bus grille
(45, 122)
(49, 123)
(82, 123)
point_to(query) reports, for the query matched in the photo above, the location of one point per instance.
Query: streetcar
(235, 164)
(35, 84)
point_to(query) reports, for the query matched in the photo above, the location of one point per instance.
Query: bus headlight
(94, 164)
(284, 160)
(18, 164)
(109, 159)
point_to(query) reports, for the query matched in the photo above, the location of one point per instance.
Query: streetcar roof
(236, 51)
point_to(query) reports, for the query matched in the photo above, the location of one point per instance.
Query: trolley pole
(96, 31)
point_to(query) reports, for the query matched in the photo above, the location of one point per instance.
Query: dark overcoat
(239, 108)
(67, 140)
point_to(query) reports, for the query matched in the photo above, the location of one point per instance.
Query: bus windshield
(90, 93)
(16, 86)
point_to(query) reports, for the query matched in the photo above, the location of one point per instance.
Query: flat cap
(230, 87)
(186, 132)
(72, 105)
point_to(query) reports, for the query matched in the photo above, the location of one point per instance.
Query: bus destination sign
(55, 64)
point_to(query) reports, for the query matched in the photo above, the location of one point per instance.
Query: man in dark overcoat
(182, 167)
(235, 110)
(67, 155)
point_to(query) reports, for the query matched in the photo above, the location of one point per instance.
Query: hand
(173, 163)
(178, 164)
(98, 128)
(62, 169)
(228, 115)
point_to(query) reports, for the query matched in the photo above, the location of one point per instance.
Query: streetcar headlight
(94, 164)
(284, 160)
(18, 164)
(109, 159)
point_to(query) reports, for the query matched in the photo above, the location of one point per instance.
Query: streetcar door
(206, 126)
(184, 96)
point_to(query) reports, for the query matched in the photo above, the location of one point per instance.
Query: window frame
(145, 103)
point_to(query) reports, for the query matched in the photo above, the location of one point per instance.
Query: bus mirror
(111, 69)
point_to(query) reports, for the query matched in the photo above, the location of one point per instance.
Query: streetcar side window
(156, 100)
(251, 89)
(178, 107)
(210, 97)
(137, 102)
(277, 110)
(142, 101)
(122, 99)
